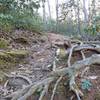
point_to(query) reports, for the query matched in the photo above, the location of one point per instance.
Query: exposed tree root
(92, 47)
(19, 76)
(57, 74)
(70, 55)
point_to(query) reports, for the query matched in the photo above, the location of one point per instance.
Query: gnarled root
(71, 72)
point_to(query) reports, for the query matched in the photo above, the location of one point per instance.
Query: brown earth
(38, 63)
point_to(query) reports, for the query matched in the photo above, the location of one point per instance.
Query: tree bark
(49, 9)
(85, 13)
(57, 15)
(78, 15)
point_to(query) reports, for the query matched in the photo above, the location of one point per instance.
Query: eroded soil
(38, 63)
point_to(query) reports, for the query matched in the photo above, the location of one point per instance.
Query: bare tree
(85, 12)
(78, 17)
(44, 13)
(56, 15)
(49, 9)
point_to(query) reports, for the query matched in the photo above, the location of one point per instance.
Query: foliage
(6, 22)
(67, 27)
(94, 28)
(26, 21)
(20, 15)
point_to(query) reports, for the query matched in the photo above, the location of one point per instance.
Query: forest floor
(27, 57)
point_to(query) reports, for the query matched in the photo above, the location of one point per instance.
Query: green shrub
(6, 22)
(18, 14)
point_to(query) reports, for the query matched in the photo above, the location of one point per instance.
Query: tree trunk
(44, 17)
(78, 15)
(49, 9)
(56, 15)
(85, 13)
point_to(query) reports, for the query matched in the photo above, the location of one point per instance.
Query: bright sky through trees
(53, 9)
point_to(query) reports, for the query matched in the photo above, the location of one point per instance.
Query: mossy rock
(3, 43)
(17, 53)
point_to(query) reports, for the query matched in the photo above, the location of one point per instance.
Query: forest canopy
(72, 16)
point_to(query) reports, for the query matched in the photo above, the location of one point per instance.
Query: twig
(55, 87)
(5, 85)
(86, 69)
(83, 55)
(54, 65)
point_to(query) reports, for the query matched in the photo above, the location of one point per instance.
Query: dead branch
(83, 55)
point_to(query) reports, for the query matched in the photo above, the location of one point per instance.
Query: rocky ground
(27, 57)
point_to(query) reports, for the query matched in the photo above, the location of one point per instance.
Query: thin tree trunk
(57, 15)
(49, 8)
(93, 16)
(85, 13)
(93, 9)
(44, 17)
(78, 15)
